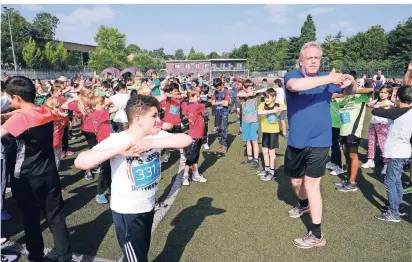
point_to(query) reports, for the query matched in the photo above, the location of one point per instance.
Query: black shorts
(193, 152)
(309, 161)
(351, 141)
(175, 129)
(270, 140)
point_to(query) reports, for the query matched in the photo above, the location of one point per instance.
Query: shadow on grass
(285, 190)
(185, 225)
(174, 157)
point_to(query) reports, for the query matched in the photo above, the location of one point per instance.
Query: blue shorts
(250, 131)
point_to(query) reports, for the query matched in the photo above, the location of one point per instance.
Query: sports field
(235, 216)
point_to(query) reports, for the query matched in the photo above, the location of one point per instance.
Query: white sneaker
(330, 165)
(206, 146)
(199, 178)
(383, 172)
(8, 258)
(3, 240)
(337, 171)
(185, 181)
(369, 164)
(166, 158)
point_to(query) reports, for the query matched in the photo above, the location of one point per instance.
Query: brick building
(204, 67)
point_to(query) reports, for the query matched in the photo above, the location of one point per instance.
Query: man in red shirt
(36, 185)
(194, 112)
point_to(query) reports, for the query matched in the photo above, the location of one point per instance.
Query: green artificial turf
(237, 217)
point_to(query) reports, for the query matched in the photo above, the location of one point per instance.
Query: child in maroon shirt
(101, 123)
(61, 121)
(172, 114)
(194, 112)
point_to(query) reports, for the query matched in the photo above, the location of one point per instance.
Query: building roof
(76, 46)
(208, 60)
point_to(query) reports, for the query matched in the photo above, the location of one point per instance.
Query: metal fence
(227, 73)
(42, 74)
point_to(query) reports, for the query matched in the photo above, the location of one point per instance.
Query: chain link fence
(44, 74)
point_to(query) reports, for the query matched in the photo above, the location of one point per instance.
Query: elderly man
(379, 77)
(308, 96)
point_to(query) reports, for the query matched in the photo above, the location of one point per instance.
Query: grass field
(235, 216)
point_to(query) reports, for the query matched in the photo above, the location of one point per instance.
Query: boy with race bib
(135, 166)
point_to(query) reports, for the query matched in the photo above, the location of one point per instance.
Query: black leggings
(105, 177)
(336, 156)
(91, 140)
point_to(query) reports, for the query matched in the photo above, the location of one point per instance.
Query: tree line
(369, 50)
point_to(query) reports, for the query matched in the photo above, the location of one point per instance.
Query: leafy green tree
(180, 54)
(132, 49)
(44, 26)
(49, 56)
(29, 53)
(111, 39)
(192, 54)
(293, 49)
(399, 43)
(61, 55)
(159, 53)
(308, 31)
(375, 44)
(213, 55)
(144, 62)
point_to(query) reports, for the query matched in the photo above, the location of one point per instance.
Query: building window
(177, 66)
(197, 66)
(187, 66)
(239, 65)
(206, 65)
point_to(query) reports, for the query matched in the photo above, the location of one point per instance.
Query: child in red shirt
(194, 112)
(61, 121)
(101, 123)
(171, 107)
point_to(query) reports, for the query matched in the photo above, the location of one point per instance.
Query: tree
(375, 44)
(293, 49)
(213, 55)
(132, 49)
(180, 54)
(144, 62)
(111, 39)
(31, 53)
(44, 26)
(308, 31)
(20, 26)
(49, 56)
(192, 54)
(333, 50)
(399, 43)
(61, 55)
(159, 53)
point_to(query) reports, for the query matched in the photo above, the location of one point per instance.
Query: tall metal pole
(11, 38)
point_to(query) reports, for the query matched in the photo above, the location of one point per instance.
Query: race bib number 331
(145, 175)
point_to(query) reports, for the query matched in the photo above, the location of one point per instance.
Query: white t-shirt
(382, 78)
(120, 101)
(135, 180)
(378, 119)
(280, 95)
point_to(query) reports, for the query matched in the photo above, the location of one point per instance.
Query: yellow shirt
(269, 123)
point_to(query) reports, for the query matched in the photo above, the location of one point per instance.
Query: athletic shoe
(348, 188)
(8, 258)
(309, 240)
(3, 240)
(101, 199)
(166, 158)
(69, 153)
(8, 190)
(383, 172)
(157, 206)
(261, 172)
(389, 217)
(206, 146)
(401, 210)
(5, 215)
(407, 189)
(341, 183)
(267, 177)
(330, 165)
(369, 164)
(62, 155)
(337, 171)
(255, 164)
(199, 178)
(88, 175)
(185, 181)
(247, 161)
(298, 211)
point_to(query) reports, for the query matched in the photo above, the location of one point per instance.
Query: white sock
(195, 173)
(185, 175)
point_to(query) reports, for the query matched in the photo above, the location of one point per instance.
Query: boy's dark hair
(106, 84)
(278, 82)
(264, 80)
(120, 85)
(353, 73)
(170, 87)
(405, 94)
(139, 105)
(133, 92)
(248, 82)
(21, 86)
(217, 82)
(378, 78)
(196, 81)
(270, 92)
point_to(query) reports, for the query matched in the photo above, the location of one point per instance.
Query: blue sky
(212, 27)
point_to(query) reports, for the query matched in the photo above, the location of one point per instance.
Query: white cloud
(85, 17)
(34, 8)
(278, 13)
(316, 11)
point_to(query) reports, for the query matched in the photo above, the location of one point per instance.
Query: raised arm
(307, 83)
(407, 79)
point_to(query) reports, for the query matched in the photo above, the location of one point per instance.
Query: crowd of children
(127, 124)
